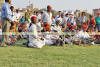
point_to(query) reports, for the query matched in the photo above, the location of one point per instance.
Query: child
(12, 37)
(22, 20)
(13, 26)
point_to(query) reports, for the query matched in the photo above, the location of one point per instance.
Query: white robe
(82, 34)
(47, 17)
(34, 39)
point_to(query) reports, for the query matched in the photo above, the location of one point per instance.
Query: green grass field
(49, 56)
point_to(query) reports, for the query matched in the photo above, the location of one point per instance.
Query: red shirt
(92, 21)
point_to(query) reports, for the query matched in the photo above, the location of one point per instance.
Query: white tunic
(82, 34)
(47, 17)
(34, 39)
(18, 16)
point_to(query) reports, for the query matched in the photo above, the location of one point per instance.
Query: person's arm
(43, 16)
(94, 23)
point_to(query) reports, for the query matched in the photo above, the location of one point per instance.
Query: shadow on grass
(19, 43)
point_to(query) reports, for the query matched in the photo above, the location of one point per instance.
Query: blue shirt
(22, 20)
(6, 12)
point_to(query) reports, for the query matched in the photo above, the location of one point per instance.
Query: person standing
(27, 16)
(97, 19)
(6, 19)
(47, 16)
(83, 19)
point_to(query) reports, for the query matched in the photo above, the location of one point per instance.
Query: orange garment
(85, 27)
(46, 26)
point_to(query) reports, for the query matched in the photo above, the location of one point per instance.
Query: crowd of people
(43, 28)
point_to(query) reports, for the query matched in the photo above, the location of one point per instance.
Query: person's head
(98, 14)
(17, 11)
(22, 16)
(28, 10)
(34, 12)
(49, 8)
(71, 15)
(37, 13)
(12, 23)
(34, 19)
(83, 14)
(59, 13)
(24, 26)
(41, 12)
(9, 1)
(12, 8)
(58, 21)
(66, 15)
(62, 15)
(91, 16)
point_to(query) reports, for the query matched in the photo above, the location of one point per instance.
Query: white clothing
(54, 21)
(39, 27)
(83, 19)
(39, 16)
(48, 39)
(63, 21)
(71, 21)
(34, 39)
(18, 16)
(57, 28)
(47, 17)
(13, 16)
(82, 34)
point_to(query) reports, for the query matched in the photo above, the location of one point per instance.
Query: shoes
(4, 45)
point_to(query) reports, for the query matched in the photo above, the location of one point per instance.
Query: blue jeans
(98, 27)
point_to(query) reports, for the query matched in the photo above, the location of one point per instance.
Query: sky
(60, 4)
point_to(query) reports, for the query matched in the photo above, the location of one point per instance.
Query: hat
(33, 17)
(49, 7)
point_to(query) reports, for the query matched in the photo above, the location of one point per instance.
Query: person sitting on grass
(84, 37)
(52, 39)
(35, 41)
(12, 37)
